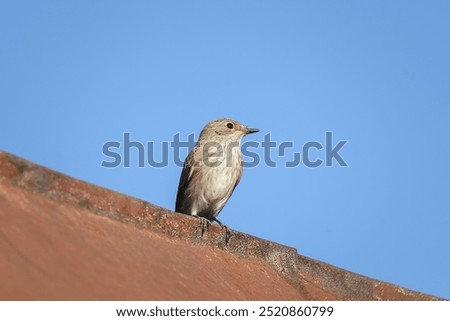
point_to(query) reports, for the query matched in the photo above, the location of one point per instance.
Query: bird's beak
(252, 130)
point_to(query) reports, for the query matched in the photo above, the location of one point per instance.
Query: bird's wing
(187, 174)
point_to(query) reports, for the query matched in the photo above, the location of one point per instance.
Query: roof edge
(329, 282)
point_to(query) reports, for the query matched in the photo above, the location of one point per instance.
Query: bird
(212, 170)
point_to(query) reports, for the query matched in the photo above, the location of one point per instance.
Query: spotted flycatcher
(212, 169)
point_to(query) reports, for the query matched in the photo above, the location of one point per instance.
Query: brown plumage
(212, 169)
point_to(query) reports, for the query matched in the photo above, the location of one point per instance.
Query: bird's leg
(216, 220)
(227, 230)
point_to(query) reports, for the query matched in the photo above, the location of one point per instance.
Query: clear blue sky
(74, 75)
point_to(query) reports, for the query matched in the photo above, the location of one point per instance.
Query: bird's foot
(204, 224)
(227, 230)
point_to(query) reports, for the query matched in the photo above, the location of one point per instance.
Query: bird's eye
(230, 125)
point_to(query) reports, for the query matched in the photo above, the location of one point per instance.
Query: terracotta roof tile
(65, 239)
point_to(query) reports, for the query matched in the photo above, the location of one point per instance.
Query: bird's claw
(227, 230)
(204, 224)
(227, 234)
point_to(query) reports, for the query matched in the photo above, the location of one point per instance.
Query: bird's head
(225, 129)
